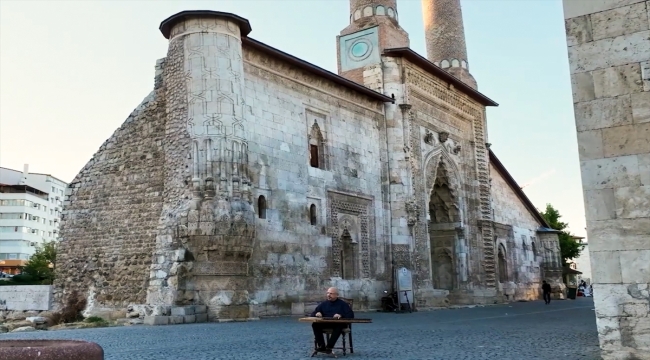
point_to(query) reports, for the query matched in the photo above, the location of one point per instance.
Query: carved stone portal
(353, 217)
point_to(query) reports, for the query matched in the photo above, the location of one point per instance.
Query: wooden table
(325, 320)
(334, 321)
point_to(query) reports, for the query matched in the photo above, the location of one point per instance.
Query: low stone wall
(26, 297)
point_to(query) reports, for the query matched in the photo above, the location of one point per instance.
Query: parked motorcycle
(389, 302)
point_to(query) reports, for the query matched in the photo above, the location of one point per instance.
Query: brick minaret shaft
(445, 38)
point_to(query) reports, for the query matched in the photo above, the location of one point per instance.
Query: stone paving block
(156, 320)
(201, 318)
(183, 310)
(189, 319)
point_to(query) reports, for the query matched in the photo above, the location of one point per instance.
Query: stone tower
(374, 26)
(445, 38)
(208, 223)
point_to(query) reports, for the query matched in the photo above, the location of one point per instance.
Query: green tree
(569, 247)
(41, 264)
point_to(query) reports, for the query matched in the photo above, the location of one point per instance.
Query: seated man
(335, 308)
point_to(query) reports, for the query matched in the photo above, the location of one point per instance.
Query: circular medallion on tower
(360, 49)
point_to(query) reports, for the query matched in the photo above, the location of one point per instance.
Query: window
(534, 250)
(313, 218)
(317, 148)
(261, 207)
(313, 156)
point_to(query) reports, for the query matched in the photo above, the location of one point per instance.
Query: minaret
(374, 26)
(445, 38)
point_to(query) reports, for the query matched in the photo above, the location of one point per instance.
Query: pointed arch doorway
(444, 217)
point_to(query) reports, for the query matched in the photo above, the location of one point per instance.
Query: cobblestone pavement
(533, 330)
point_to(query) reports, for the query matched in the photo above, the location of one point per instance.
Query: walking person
(546, 289)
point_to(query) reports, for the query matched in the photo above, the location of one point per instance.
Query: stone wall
(609, 58)
(294, 260)
(26, 297)
(517, 235)
(111, 212)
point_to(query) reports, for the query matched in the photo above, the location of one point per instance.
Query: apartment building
(30, 214)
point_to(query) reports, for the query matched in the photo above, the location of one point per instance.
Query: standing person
(546, 289)
(335, 308)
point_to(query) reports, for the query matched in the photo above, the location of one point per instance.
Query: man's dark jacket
(546, 288)
(331, 308)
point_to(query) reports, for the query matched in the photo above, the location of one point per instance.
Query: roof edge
(439, 72)
(498, 165)
(167, 24)
(314, 69)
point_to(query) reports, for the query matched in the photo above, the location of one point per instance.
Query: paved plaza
(532, 330)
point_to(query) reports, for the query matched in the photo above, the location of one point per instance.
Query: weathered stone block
(610, 173)
(626, 140)
(590, 144)
(600, 204)
(640, 103)
(618, 80)
(644, 168)
(183, 310)
(619, 21)
(633, 202)
(619, 234)
(582, 86)
(297, 308)
(156, 320)
(637, 268)
(603, 113)
(578, 30)
(200, 309)
(201, 318)
(608, 270)
(175, 319)
(600, 54)
(189, 319)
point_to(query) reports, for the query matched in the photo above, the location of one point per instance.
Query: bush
(23, 279)
(94, 319)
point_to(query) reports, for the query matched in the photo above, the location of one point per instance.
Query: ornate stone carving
(443, 136)
(362, 209)
(413, 211)
(220, 222)
(483, 174)
(420, 257)
(401, 255)
(428, 138)
(432, 87)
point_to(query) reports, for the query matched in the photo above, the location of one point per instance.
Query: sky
(72, 71)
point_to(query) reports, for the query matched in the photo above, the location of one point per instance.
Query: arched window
(313, 218)
(261, 207)
(532, 244)
(317, 151)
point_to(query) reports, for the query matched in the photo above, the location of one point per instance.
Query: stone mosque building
(250, 180)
